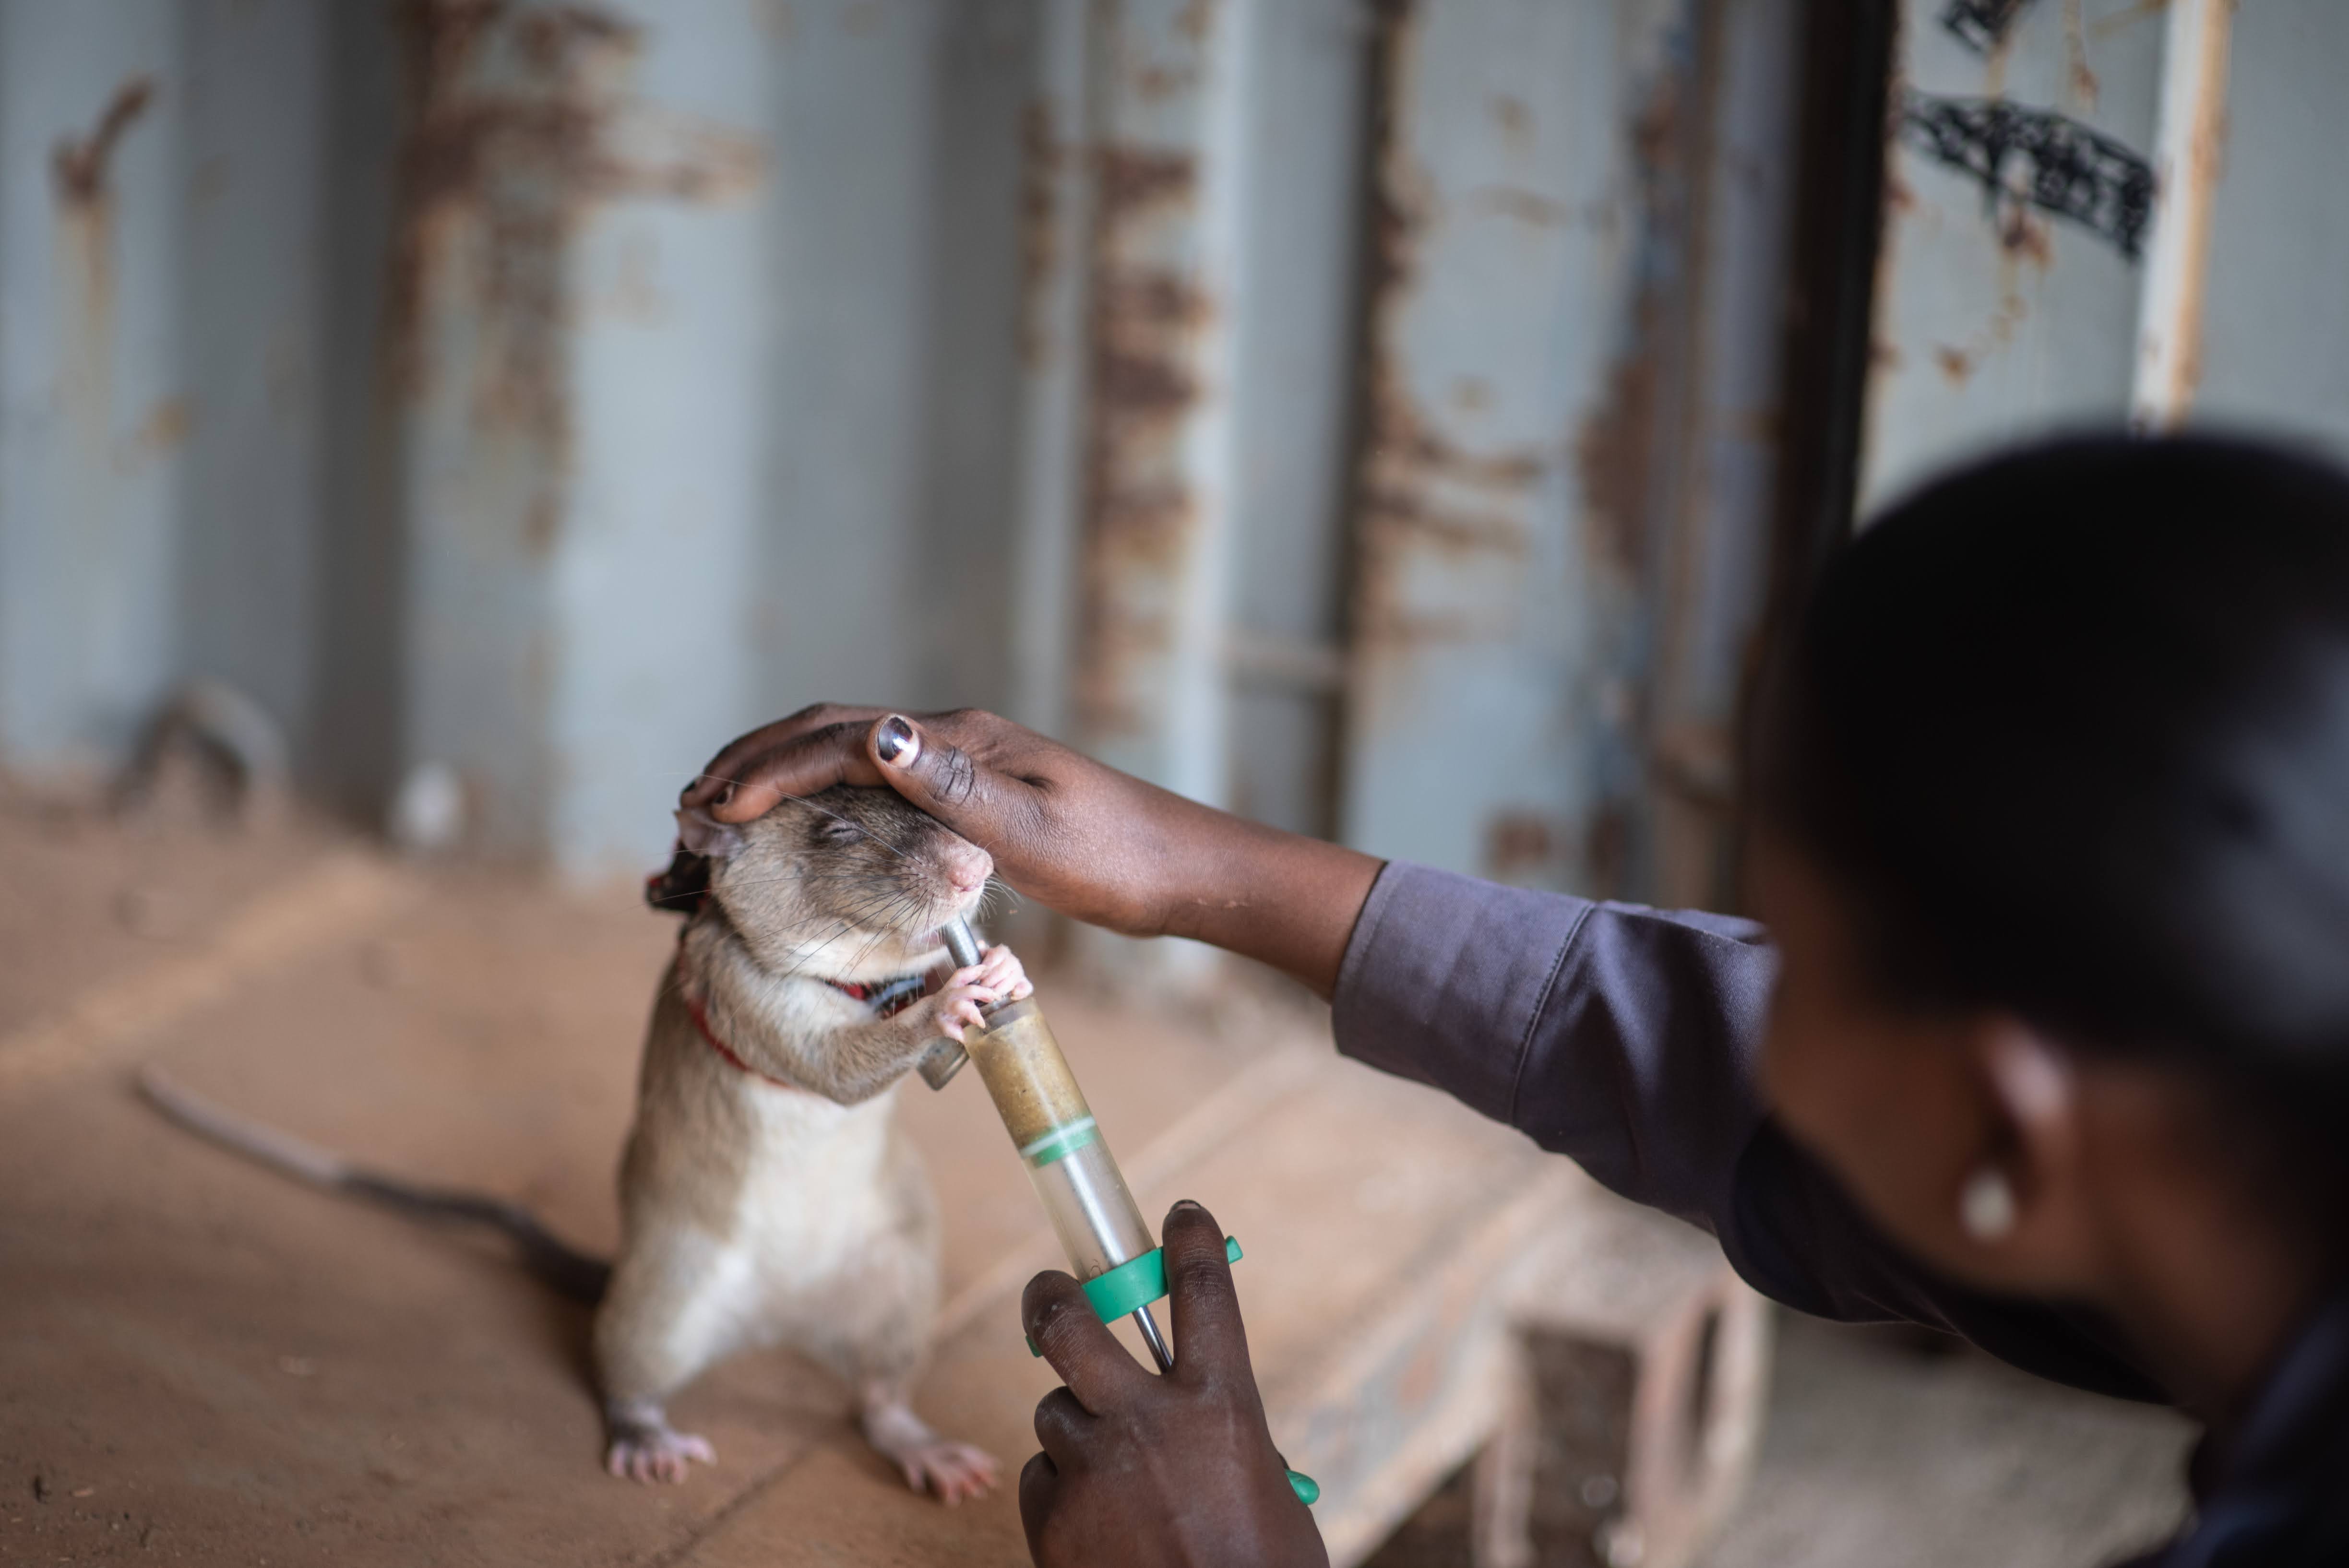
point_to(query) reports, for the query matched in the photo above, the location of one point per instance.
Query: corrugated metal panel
(571, 261)
(2019, 204)
(2275, 336)
(2088, 221)
(1283, 655)
(675, 366)
(853, 124)
(588, 383)
(94, 404)
(1159, 468)
(1712, 563)
(1531, 341)
(665, 496)
(255, 299)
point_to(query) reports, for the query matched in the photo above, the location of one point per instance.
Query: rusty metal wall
(94, 418)
(1281, 399)
(2275, 333)
(253, 304)
(1999, 317)
(1284, 644)
(2103, 212)
(1562, 495)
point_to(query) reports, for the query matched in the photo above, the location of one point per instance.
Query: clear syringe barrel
(1053, 1129)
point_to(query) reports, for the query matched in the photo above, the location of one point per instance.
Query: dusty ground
(1878, 1455)
(202, 1363)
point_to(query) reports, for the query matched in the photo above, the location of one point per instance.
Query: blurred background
(1399, 420)
(1285, 401)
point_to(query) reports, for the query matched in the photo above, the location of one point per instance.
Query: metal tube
(1150, 1336)
(960, 943)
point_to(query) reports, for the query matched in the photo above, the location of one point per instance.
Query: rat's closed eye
(840, 832)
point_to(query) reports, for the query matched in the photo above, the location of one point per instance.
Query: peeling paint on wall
(518, 124)
(1139, 506)
(1421, 494)
(82, 173)
(81, 166)
(1041, 160)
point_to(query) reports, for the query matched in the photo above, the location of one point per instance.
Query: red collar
(701, 1022)
(888, 997)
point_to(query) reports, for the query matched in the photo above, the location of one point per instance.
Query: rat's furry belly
(831, 1238)
(812, 1200)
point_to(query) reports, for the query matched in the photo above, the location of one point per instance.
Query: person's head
(2054, 789)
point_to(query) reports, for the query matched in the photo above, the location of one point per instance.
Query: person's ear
(2021, 1201)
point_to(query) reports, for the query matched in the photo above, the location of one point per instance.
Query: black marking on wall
(2039, 158)
(1979, 24)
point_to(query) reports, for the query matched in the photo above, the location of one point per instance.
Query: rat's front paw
(1001, 967)
(962, 1002)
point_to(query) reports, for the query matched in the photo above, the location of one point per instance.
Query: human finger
(811, 750)
(922, 761)
(1039, 1486)
(1061, 1325)
(1062, 1425)
(1210, 1344)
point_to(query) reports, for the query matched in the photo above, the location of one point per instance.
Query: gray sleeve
(1623, 1037)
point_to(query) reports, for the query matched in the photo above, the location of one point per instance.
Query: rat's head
(850, 884)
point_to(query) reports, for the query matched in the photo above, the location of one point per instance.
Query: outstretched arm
(1070, 833)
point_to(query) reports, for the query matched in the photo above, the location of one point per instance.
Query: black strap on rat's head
(680, 889)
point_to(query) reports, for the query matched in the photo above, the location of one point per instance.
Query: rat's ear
(704, 834)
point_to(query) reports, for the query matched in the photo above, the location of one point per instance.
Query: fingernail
(1182, 1204)
(896, 740)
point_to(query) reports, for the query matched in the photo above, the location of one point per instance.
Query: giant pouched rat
(767, 1195)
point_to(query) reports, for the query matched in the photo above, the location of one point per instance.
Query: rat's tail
(575, 1274)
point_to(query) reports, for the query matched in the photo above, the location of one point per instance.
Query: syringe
(1108, 1244)
(1100, 1228)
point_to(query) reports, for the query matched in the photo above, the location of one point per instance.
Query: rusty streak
(513, 134)
(1403, 518)
(1145, 324)
(1408, 467)
(81, 166)
(1616, 454)
(1039, 248)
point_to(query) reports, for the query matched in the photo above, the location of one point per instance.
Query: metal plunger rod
(964, 948)
(960, 943)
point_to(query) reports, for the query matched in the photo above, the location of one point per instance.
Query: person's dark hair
(2073, 727)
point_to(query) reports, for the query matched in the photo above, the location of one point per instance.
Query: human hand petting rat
(1151, 1469)
(1074, 835)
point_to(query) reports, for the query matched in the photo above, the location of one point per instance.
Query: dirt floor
(202, 1363)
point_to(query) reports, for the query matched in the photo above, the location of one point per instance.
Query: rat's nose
(967, 868)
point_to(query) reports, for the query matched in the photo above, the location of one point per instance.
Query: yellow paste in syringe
(1053, 1129)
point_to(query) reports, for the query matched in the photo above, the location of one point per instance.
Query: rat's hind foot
(951, 1470)
(645, 1447)
(929, 1462)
